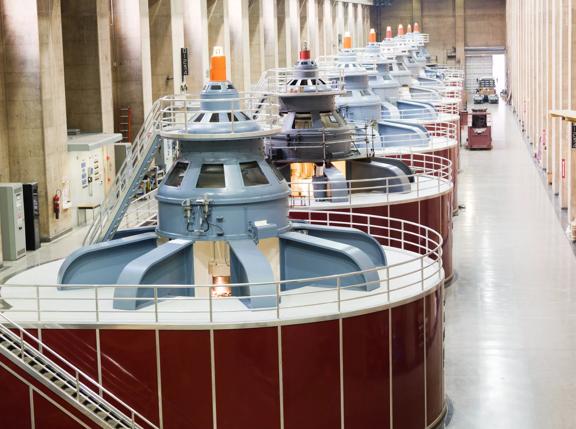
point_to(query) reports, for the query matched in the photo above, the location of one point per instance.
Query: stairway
(71, 384)
(127, 179)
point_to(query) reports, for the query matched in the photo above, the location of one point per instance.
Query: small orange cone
(372, 36)
(347, 42)
(409, 29)
(400, 30)
(388, 33)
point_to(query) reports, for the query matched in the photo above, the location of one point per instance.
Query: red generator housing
(479, 129)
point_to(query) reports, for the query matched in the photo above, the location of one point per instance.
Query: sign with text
(573, 135)
(184, 61)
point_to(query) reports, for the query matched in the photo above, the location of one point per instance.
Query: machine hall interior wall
(81, 65)
(439, 20)
(161, 47)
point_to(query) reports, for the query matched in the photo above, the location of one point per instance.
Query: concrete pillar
(350, 22)
(282, 26)
(417, 11)
(256, 40)
(35, 103)
(312, 21)
(572, 157)
(196, 40)
(460, 31)
(270, 33)
(566, 90)
(162, 59)
(104, 12)
(178, 42)
(292, 31)
(328, 28)
(360, 30)
(239, 58)
(340, 24)
(132, 62)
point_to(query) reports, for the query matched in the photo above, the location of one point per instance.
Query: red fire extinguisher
(56, 204)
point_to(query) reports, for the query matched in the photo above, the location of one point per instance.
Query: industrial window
(216, 87)
(177, 174)
(215, 117)
(329, 120)
(199, 117)
(313, 81)
(302, 121)
(252, 174)
(304, 82)
(365, 92)
(276, 171)
(211, 176)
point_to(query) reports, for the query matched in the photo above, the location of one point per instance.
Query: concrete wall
(161, 47)
(35, 107)
(541, 44)
(484, 22)
(81, 65)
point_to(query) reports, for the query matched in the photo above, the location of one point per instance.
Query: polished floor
(511, 314)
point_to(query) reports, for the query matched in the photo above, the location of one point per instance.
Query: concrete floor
(511, 314)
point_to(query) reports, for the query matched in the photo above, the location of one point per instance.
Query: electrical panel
(12, 225)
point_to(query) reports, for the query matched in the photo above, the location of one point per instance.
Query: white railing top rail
(421, 268)
(283, 81)
(89, 386)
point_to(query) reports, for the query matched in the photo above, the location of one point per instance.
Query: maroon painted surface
(186, 379)
(129, 368)
(78, 346)
(48, 416)
(247, 383)
(366, 354)
(434, 355)
(311, 369)
(408, 366)
(14, 402)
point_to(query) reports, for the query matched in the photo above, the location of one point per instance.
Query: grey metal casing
(12, 225)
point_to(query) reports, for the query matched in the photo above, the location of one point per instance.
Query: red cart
(479, 129)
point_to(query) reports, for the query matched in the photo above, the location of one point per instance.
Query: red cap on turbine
(400, 30)
(218, 65)
(305, 51)
(409, 29)
(347, 42)
(388, 33)
(416, 27)
(372, 36)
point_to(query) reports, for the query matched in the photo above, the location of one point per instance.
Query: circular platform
(324, 357)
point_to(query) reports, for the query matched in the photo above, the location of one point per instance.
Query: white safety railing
(283, 81)
(141, 212)
(221, 117)
(419, 268)
(75, 385)
(432, 174)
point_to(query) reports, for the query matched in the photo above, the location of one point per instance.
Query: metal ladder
(71, 384)
(127, 179)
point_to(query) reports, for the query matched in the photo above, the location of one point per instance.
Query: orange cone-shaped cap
(388, 33)
(409, 29)
(416, 27)
(218, 65)
(372, 36)
(400, 30)
(347, 42)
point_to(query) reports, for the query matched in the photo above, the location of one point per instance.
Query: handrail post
(338, 285)
(21, 344)
(38, 303)
(278, 300)
(210, 309)
(96, 304)
(156, 304)
(77, 385)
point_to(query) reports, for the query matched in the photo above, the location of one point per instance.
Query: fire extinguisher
(56, 203)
